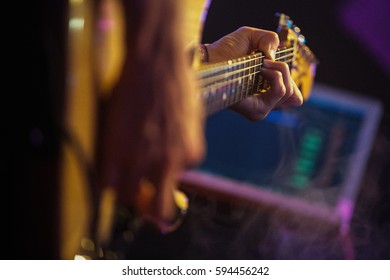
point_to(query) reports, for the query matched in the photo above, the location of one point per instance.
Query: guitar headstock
(304, 64)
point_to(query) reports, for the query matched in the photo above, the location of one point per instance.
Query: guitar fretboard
(226, 83)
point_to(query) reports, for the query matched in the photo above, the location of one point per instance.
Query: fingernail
(272, 53)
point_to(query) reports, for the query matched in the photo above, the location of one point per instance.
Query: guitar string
(227, 74)
(227, 79)
(231, 78)
(241, 60)
(223, 99)
(209, 89)
(216, 99)
(221, 84)
(222, 72)
(222, 69)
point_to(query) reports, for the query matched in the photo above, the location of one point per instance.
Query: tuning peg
(284, 19)
(302, 39)
(279, 15)
(296, 29)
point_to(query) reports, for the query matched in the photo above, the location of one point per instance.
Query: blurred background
(351, 41)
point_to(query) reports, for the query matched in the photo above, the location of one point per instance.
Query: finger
(265, 41)
(294, 100)
(285, 71)
(277, 88)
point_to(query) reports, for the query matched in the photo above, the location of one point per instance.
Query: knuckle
(274, 37)
(279, 77)
(285, 67)
(291, 91)
(300, 100)
(244, 29)
(281, 91)
(282, 67)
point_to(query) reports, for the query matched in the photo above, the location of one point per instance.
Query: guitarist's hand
(283, 92)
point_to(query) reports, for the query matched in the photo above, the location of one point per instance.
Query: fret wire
(239, 81)
(224, 73)
(227, 79)
(244, 78)
(254, 74)
(218, 86)
(232, 91)
(226, 96)
(242, 82)
(223, 91)
(216, 97)
(214, 89)
(212, 67)
(225, 76)
(214, 103)
(237, 78)
(257, 77)
(254, 56)
(235, 95)
(217, 104)
(213, 70)
(203, 73)
(249, 79)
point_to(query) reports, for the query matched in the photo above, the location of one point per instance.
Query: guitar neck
(229, 82)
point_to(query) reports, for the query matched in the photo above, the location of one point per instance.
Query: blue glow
(283, 118)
